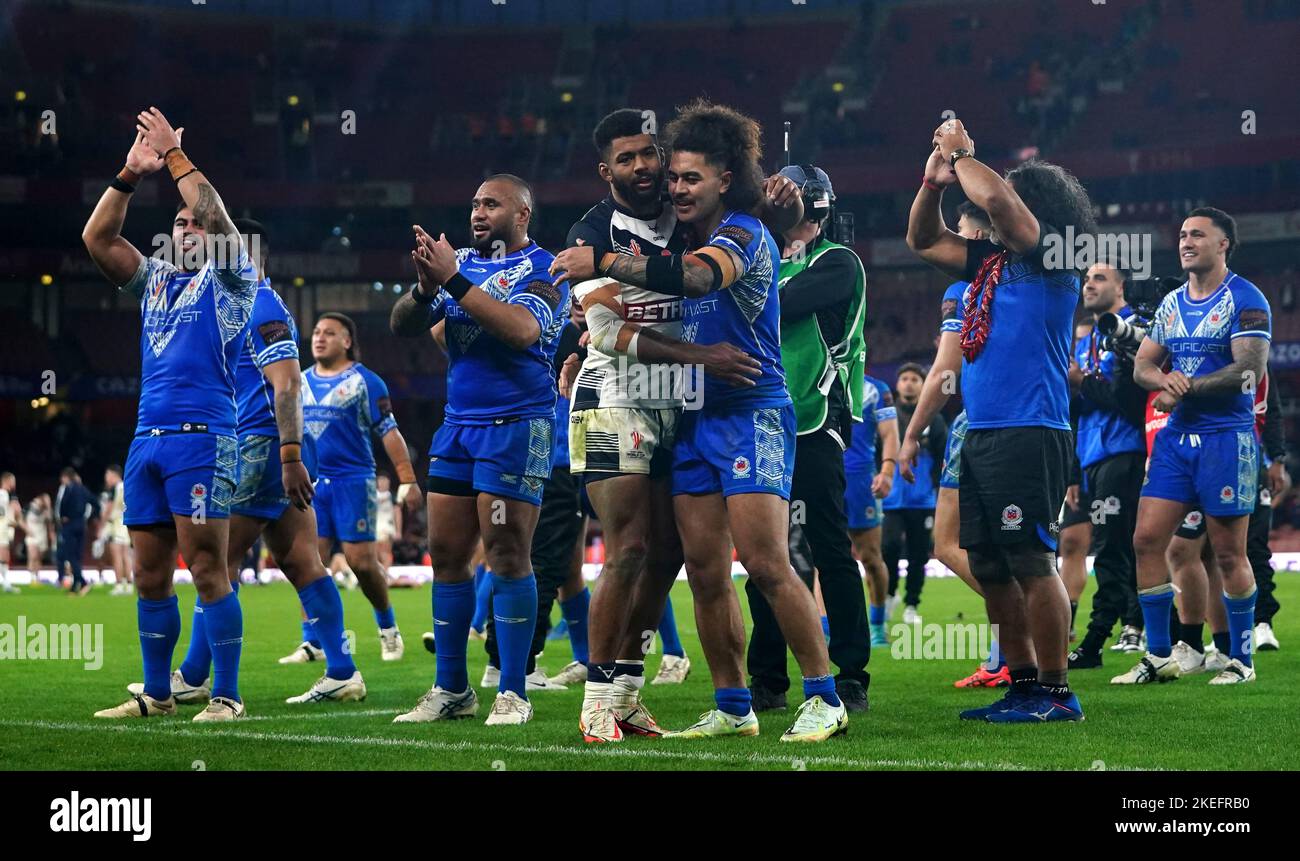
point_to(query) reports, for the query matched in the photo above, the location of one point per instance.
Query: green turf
(45, 707)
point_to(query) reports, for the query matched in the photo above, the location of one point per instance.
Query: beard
(491, 241)
(640, 201)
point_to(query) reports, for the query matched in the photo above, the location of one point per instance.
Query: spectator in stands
(75, 505)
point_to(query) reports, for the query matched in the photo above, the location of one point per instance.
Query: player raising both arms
(1215, 328)
(344, 403)
(940, 384)
(181, 468)
(733, 459)
(1017, 322)
(487, 463)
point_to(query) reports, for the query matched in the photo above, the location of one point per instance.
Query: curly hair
(728, 140)
(1053, 195)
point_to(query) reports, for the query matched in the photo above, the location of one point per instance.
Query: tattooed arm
(1249, 361)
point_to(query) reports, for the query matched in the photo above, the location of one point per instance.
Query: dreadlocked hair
(1053, 195)
(728, 140)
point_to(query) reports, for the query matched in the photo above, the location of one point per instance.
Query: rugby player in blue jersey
(940, 384)
(181, 469)
(1215, 331)
(733, 458)
(274, 493)
(501, 318)
(344, 405)
(1017, 323)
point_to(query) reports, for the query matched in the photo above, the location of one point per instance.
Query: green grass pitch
(46, 706)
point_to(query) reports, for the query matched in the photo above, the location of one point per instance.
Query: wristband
(930, 185)
(418, 295)
(126, 180)
(885, 460)
(178, 164)
(295, 450)
(458, 285)
(283, 461)
(631, 346)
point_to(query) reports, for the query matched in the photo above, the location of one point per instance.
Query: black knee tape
(988, 564)
(1029, 559)
(449, 486)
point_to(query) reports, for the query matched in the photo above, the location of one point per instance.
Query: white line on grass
(633, 752)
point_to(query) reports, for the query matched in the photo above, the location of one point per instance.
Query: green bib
(811, 365)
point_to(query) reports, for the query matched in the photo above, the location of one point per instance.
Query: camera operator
(1112, 455)
(823, 350)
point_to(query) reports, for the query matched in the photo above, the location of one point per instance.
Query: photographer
(1112, 455)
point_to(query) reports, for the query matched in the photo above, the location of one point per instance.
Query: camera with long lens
(1125, 334)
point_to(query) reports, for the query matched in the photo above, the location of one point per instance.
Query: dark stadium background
(1143, 100)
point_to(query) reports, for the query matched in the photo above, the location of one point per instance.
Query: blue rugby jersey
(877, 406)
(271, 336)
(1021, 378)
(340, 413)
(190, 342)
(1102, 432)
(746, 314)
(488, 381)
(1199, 336)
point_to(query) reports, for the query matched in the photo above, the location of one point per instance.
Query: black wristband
(457, 285)
(122, 186)
(420, 298)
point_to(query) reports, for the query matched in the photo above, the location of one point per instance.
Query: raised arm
(694, 274)
(1015, 226)
(116, 258)
(199, 195)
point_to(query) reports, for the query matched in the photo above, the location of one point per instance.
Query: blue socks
(672, 644)
(736, 702)
(1155, 614)
(482, 598)
(386, 618)
(224, 623)
(198, 657)
(876, 615)
(309, 630)
(453, 607)
(1241, 625)
(821, 686)
(574, 611)
(514, 610)
(160, 627)
(320, 599)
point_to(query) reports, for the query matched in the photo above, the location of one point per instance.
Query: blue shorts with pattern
(510, 458)
(735, 451)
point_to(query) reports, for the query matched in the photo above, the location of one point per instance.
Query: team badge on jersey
(1226, 494)
(740, 467)
(1012, 517)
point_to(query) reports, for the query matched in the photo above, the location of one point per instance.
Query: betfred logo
(740, 467)
(1012, 517)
